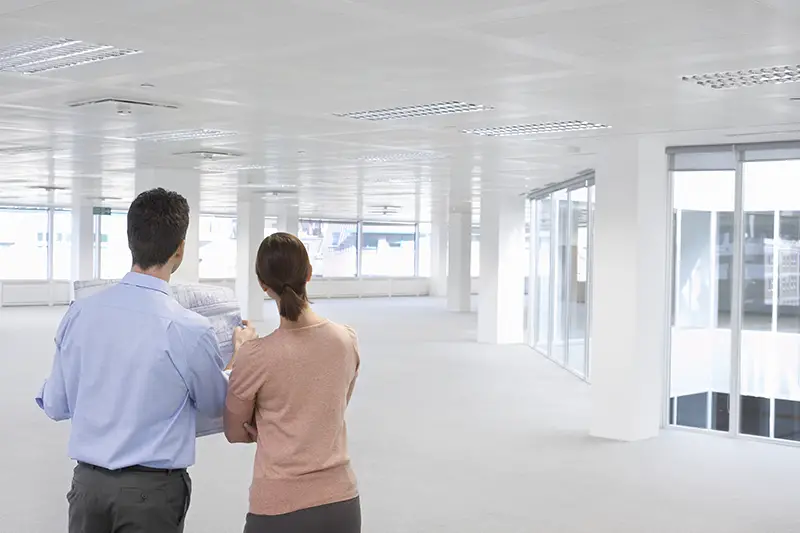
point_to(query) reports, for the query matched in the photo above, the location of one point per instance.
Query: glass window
(703, 204)
(560, 276)
(115, 256)
(541, 292)
(578, 280)
(332, 247)
(62, 244)
(425, 250)
(23, 244)
(387, 250)
(770, 337)
(217, 247)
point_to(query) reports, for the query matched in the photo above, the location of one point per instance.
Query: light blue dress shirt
(132, 369)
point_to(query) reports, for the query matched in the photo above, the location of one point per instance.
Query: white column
(631, 290)
(439, 234)
(289, 219)
(185, 182)
(82, 233)
(459, 281)
(249, 234)
(501, 304)
(459, 253)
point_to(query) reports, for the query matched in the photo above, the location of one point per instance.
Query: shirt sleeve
(52, 397)
(205, 378)
(240, 405)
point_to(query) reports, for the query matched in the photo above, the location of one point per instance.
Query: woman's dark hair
(282, 264)
(157, 223)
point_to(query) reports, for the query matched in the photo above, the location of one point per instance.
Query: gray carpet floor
(446, 436)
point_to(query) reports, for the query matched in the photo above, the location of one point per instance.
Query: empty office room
(400, 267)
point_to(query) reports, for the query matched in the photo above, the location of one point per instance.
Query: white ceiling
(278, 72)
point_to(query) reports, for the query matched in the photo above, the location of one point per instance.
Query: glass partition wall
(560, 270)
(735, 342)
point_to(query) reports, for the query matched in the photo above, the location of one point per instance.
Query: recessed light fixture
(736, 79)
(398, 157)
(184, 135)
(46, 54)
(538, 129)
(231, 168)
(414, 111)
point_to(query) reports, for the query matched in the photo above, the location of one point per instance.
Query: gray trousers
(342, 517)
(134, 500)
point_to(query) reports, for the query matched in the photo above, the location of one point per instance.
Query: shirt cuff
(40, 396)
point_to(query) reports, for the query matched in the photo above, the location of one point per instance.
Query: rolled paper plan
(218, 304)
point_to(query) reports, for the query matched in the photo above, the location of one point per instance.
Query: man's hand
(252, 431)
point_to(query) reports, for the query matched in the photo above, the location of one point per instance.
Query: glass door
(542, 275)
(577, 280)
(561, 278)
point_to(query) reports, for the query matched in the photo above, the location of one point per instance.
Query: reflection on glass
(217, 247)
(561, 277)
(425, 250)
(387, 250)
(770, 338)
(475, 253)
(578, 279)
(331, 247)
(701, 339)
(62, 244)
(23, 244)
(542, 311)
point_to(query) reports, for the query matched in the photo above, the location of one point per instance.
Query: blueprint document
(218, 304)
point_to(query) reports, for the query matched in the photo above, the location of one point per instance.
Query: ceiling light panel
(399, 157)
(415, 111)
(46, 54)
(538, 129)
(184, 135)
(736, 79)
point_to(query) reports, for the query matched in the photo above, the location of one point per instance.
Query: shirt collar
(145, 281)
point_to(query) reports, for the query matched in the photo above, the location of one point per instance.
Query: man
(132, 369)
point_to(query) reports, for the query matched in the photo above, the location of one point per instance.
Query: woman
(288, 392)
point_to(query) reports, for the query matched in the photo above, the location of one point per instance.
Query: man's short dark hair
(157, 223)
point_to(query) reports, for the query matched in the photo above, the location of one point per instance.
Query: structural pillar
(439, 234)
(459, 281)
(250, 213)
(185, 182)
(501, 304)
(630, 289)
(82, 233)
(289, 219)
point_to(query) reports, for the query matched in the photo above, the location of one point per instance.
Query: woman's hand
(243, 333)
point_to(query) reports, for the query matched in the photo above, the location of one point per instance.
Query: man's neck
(163, 272)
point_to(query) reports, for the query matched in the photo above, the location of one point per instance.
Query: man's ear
(181, 249)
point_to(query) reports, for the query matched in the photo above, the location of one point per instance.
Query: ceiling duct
(122, 106)
(208, 155)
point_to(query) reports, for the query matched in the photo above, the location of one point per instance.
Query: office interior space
(567, 233)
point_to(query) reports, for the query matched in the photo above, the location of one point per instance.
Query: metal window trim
(737, 271)
(583, 179)
(672, 302)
